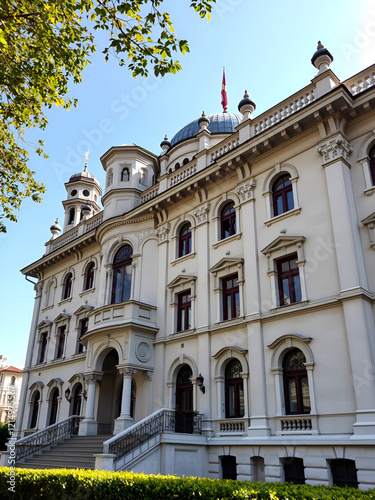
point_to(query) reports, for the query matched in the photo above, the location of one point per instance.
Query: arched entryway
(184, 400)
(109, 384)
(76, 401)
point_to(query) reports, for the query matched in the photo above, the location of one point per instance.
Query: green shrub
(78, 484)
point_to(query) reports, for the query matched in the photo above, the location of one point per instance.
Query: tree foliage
(45, 46)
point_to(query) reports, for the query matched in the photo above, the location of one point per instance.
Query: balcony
(297, 424)
(231, 427)
(130, 312)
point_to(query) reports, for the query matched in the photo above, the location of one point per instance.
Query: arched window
(121, 284)
(13, 380)
(184, 240)
(282, 195)
(77, 400)
(185, 161)
(72, 214)
(35, 409)
(234, 395)
(54, 404)
(296, 386)
(67, 290)
(89, 276)
(125, 174)
(229, 467)
(177, 166)
(294, 470)
(372, 164)
(228, 220)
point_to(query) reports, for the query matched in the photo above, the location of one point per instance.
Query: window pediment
(369, 220)
(83, 310)
(46, 323)
(225, 264)
(62, 317)
(54, 382)
(182, 280)
(283, 242)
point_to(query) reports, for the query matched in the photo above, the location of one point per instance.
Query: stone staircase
(76, 452)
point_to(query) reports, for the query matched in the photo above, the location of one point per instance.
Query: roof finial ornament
(86, 159)
(322, 58)
(203, 121)
(246, 107)
(55, 229)
(165, 144)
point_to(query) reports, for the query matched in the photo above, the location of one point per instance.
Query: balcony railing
(163, 420)
(31, 444)
(232, 426)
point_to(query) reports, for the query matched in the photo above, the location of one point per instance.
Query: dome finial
(86, 160)
(203, 121)
(165, 144)
(246, 106)
(55, 229)
(322, 58)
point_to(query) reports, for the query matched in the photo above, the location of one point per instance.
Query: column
(125, 420)
(354, 292)
(89, 426)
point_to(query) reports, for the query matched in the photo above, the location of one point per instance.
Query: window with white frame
(286, 270)
(61, 332)
(182, 301)
(280, 192)
(228, 288)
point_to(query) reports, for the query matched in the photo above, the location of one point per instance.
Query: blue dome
(220, 123)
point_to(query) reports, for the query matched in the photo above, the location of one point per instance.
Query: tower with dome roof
(83, 193)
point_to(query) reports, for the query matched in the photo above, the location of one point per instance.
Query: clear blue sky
(265, 47)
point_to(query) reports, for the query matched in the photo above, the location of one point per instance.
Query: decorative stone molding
(201, 213)
(38, 288)
(143, 352)
(144, 235)
(246, 191)
(369, 222)
(334, 149)
(163, 231)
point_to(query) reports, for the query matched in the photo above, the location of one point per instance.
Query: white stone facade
(315, 147)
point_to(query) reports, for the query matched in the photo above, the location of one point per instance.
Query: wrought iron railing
(31, 444)
(161, 421)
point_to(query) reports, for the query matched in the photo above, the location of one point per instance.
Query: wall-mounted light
(200, 381)
(67, 395)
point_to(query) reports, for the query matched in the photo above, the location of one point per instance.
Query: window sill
(65, 301)
(40, 365)
(234, 237)
(78, 355)
(46, 308)
(295, 211)
(182, 333)
(369, 191)
(183, 258)
(85, 292)
(58, 360)
(295, 305)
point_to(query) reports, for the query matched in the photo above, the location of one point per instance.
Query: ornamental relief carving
(163, 231)
(201, 213)
(336, 148)
(246, 191)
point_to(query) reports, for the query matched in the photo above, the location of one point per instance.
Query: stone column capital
(335, 148)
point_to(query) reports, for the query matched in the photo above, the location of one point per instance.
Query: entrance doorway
(184, 400)
(107, 404)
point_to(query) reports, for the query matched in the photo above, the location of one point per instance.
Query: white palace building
(216, 317)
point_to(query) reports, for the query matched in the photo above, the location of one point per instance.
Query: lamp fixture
(200, 381)
(67, 395)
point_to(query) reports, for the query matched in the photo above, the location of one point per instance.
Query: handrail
(38, 440)
(159, 421)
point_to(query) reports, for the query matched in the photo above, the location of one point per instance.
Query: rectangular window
(184, 311)
(43, 347)
(60, 342)
(231, 297)
(84, 324)
(288, 280)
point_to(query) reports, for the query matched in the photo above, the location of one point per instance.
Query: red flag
(224, 98)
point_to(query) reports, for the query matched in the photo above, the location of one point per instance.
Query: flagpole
(224, 97)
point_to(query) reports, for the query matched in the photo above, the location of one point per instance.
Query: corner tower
(83, 193)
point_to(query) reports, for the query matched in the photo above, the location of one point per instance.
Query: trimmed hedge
(64, 484)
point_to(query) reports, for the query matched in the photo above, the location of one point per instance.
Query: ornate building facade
(226, 286)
